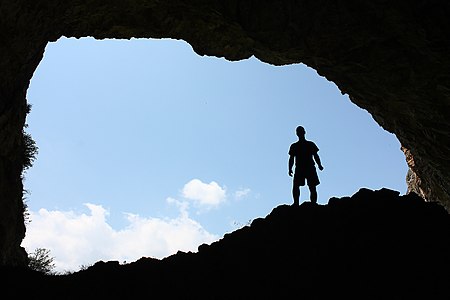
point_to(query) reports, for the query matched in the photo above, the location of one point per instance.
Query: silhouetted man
(304, 153)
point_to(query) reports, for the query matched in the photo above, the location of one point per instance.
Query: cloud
(76, 239)
(239, 194)
(204, 194)
(81, 239)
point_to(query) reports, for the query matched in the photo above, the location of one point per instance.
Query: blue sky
(146, 148)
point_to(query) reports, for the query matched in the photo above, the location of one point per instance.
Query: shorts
(306, 174)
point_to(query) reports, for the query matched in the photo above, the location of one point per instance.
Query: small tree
(28, 152)
(29, 147)
(41, 261)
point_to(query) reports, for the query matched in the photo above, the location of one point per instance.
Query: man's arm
(291, 164)
(317, 159)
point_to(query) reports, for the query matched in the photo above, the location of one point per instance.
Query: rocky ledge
(372, 245)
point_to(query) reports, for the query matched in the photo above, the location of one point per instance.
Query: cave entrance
(149, 129)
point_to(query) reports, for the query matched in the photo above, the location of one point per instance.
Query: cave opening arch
(77, 100)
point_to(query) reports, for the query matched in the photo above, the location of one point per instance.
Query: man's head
(300, 131)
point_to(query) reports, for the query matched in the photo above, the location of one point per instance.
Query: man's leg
(313, 181)
(296, 193)
(313, 193)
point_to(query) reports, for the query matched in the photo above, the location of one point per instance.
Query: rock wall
(391, 57)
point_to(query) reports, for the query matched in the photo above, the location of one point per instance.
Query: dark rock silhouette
(372, 245)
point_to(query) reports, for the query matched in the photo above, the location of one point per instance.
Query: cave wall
(391, 57)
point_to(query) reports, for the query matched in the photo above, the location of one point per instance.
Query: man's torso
(303, 152)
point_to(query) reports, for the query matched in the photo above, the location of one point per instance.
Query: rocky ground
(372, 245)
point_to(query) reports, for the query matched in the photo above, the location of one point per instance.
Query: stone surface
(391, 57)
(372, 245)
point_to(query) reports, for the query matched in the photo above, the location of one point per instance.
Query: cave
(391, 59)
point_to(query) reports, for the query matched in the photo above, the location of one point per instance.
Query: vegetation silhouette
(40, 260)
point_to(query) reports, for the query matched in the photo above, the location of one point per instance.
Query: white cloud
(239, 194)
(83, 239)
(77, 239)
(183, 206)
(205, 194)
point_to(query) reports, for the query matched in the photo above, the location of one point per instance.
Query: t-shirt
(303, 152)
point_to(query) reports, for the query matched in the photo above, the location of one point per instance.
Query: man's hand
(290, 173)
(320, 167)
